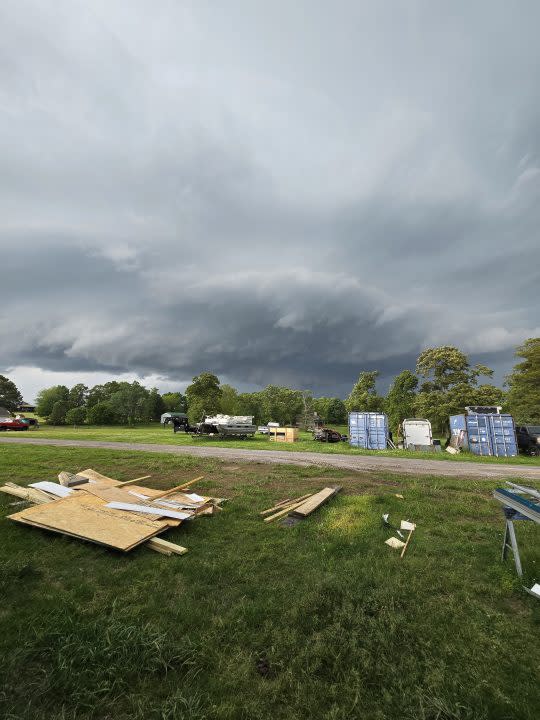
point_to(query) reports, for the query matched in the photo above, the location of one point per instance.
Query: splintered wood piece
(285, 503)
(315, 501)
(394, 543)
(86, 516)
(175, 489)
(30, 494)
(285, 511)
(406, 525)
(407, 543)
(165, 547)
(131, 482)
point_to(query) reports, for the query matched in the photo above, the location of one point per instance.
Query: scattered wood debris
(394, 542)
(100, 509)
(300, 507)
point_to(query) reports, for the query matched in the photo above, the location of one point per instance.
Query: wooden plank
(30, 494)
(176, 489)
(315, 501)
(160, 545)
(87, 517)
(285, 503)
(286, 511)
(407, 543)
(131, 482)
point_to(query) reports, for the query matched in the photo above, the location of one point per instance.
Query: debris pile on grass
(120, 515)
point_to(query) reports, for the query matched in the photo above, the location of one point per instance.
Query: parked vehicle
(32, 423)
(528, 439)
(328, 435)
(11, 423)
(169, 418)
(417, 434)
(239, 426)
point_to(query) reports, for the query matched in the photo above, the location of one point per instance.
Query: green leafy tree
(229, 400)
(306, 418)
(154, 405)
(58, 413)
(47, 398)
(77, 395)
(524, 383)
(364, 396)
(76, 416)
(102, 413)
(281, 404)
(174, 402)
(102, 393)
(450, 384)
(251, 404)
(130, 402)
(336, 412)
(400, 399)
(203, 396)
(10, 396)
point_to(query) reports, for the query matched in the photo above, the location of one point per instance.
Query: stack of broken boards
(300, 507)
(90, 510)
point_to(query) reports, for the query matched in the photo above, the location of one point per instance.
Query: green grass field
(261, 622)
(155, 433)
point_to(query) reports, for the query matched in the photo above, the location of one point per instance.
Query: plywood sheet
(86, 516)
(98, 477)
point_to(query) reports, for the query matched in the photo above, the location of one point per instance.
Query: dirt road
(344, 462)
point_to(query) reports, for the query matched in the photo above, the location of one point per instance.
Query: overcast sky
(278, 192)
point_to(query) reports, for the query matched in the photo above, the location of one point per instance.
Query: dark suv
(528, 439)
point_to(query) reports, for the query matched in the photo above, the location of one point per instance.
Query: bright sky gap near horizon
(281, 192)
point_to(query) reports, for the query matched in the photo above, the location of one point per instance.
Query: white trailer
(416, 433)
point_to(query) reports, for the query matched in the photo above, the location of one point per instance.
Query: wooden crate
(283, 434)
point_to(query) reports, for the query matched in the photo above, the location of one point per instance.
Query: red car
(10, 423)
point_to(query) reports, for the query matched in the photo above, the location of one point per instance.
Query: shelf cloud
(276, 192)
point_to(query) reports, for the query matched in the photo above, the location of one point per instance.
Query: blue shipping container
(368, 430)
(486, 434)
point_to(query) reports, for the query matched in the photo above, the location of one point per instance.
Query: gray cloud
(279, 194)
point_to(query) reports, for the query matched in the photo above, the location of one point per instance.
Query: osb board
(113, 494)
(98, 477)
(86, 516)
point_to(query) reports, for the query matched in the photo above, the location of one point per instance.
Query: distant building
(25, 407)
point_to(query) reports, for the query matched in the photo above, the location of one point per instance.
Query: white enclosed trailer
(416, 433)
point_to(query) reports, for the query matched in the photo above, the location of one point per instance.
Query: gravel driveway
(344, 462)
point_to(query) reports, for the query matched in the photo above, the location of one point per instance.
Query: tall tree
(10, 396)
(154, 406)
(174, 402)
(229, 400)
(399, 401)
(203, 396)
(48, 397)
(281, 404)
(364, 396)
(77, 395)
(130, 402)
(524, 383)
(450, 384)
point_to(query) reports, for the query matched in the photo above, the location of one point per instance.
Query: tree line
(443, 383)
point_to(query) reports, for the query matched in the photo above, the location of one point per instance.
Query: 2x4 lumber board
(407, 543)
(165, 547)
(178, 488)
(285, 503)
(132, 482)
(30, 494)
(285, 511)
(315, 501)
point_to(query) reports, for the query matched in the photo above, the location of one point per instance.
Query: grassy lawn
(155, 433)
(261, 622)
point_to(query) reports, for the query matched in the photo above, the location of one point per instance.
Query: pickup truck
(528, 439)
(11, 423)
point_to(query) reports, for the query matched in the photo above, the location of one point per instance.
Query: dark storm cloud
(275, 193)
